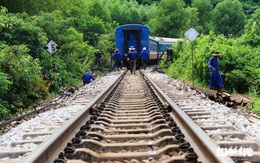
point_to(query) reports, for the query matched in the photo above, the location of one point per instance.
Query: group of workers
(132, 55)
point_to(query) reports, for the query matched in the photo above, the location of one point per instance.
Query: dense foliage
(229, 18)
(239, 62)
(80, 27)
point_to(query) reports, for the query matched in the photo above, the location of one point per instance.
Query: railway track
(133, 120)
(129, 122)
(221, 129)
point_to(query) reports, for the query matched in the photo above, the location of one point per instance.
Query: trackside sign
(51, 47)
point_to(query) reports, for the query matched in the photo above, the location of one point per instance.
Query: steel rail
(204, 147)
(50, 149)
(5, 122)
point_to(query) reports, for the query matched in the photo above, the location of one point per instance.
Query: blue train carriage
(159, 46)
(154, 49)
(136, 35)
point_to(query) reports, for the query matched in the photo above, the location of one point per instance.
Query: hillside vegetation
(80, 27)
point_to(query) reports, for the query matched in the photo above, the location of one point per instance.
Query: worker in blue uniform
(132, 56)
(215, 74)
(86, 78)
(145, 57)
(117, 57)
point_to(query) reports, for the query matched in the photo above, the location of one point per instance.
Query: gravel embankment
(218, 111)
(51, 120)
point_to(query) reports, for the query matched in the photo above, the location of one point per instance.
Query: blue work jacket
(87, 77)
(144, 55)
(213, 63)
(116, 56)
(132, 55)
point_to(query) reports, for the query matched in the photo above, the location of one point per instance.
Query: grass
(255, 107)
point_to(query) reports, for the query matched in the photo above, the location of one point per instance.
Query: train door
(132, 38)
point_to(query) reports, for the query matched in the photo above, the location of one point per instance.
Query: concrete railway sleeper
(132, 121)
(137, 128)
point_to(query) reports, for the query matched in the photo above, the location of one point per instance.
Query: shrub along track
(130, 121)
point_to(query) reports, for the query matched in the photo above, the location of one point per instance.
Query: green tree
(239, 62)
(250, 6)
(74, 54)
(92, 26)
(229, 18)
(33, 7)
(147, 2)
(252, 30)
(24, 73)
(188, 2)
(251, 38)
(215, 2)
(15, 31)
(96, 9)
(170, 20)
(4, 86)
(147, 12)
(124, 12)
(193, 19)
(205, 10)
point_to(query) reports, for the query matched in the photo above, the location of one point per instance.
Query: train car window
(153, 47)
(160, 48)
